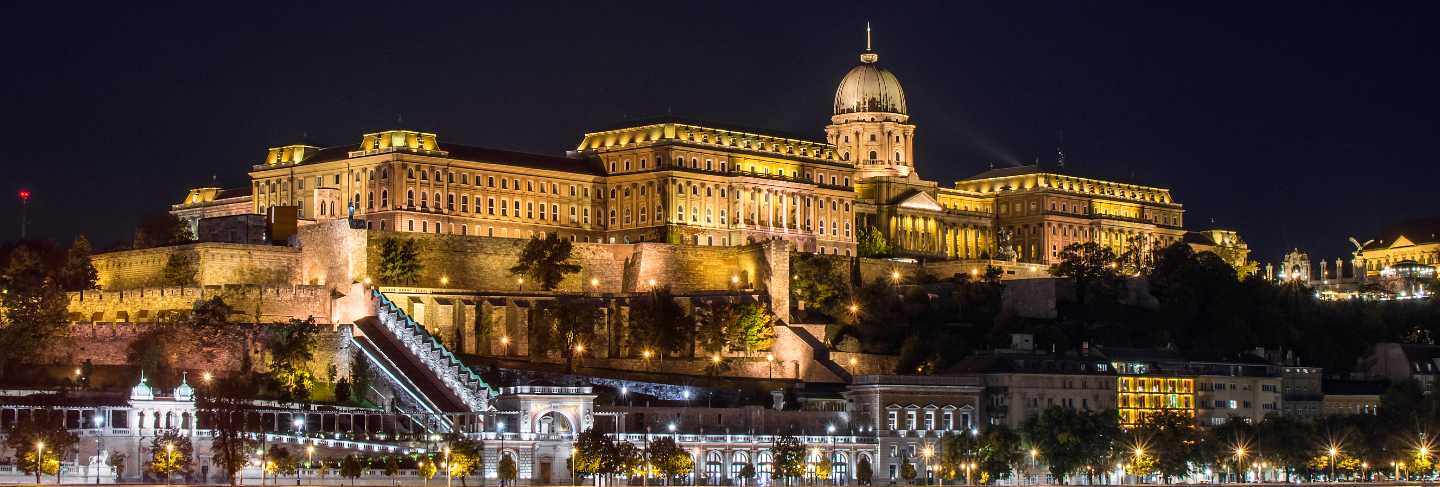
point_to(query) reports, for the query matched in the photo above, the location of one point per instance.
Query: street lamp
(1333, 452)
(1240, 462)
(505, 342)
(99, 443)
(1033, 464)
(927, 452)
(770, 364)
(169, 461)
(39, 459)
(574, 458)
(447, 466)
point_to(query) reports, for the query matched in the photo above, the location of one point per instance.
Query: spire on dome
(869, 55)
(142, 390)
(184, 392)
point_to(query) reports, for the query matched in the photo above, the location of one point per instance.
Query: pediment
(1401, 241)
(921, 201)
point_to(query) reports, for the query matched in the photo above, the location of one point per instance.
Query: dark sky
(1296, 123)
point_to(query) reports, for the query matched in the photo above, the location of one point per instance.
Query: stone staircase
(432, 367)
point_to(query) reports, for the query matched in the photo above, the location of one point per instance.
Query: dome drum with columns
(870, 122)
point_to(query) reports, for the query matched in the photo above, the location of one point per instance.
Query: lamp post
(927, 452)
(770, 362)
(1240, 462)
(309, 460)
(1033, 464)
(99, 443)
(39, 459)
(447, 466)
(1333, 452)
(574, 458)
(169, 459)
(1139, 454)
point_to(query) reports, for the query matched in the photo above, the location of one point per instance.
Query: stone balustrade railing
(454, 374)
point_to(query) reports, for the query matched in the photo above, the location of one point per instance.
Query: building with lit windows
(690, 182)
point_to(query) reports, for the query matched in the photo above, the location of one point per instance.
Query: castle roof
(475, 154)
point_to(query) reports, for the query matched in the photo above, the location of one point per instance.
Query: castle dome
(870, 88)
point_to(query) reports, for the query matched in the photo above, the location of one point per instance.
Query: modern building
(1020, 382)
(1247, 388)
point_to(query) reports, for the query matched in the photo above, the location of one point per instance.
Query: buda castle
(689, 182)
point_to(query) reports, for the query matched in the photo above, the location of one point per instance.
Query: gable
(1401, 241)
(921, 201)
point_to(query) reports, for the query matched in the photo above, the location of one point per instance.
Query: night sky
(1298, 124)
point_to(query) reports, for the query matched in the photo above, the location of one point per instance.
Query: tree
(179, 271)
(788, 457)
(292, 348)
(79, 273)
(565, 326)
(224, 403)
(657, 324)
(352, 467)
(161, 229)
(545, 261)
(116, 462)
(863, 471)
(871, 243)
(671, 460)
(426, 469)
(33, 307)
(592, 453)
(281, 462)
(1093, 266)
(629, 459)
(41, 428)
(170, 453)
(713, 320)
(907, 470)
(399, 262)
(747, 472)
(1070, 439)
(1172, 439)
(360, 376)
(467, 457)
(390, 467)
(818, 287)
(506, 469)
(824, 468)
(753, 328)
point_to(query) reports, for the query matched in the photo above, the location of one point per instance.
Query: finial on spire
(869, 55)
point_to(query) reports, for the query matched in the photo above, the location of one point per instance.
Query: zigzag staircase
(418, 363)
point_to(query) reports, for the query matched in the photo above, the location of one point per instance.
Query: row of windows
(912, 417)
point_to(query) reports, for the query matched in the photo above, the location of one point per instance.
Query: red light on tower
(24, 195)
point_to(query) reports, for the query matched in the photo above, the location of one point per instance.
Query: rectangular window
(490, 206)
(893, 421)
(504, 208)
(949, 420)
(910, 420)
(929, 420)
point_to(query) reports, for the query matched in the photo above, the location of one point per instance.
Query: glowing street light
(39, 456)
(1333, 452)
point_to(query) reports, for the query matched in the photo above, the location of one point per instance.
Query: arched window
(370, 200)
(409, 197)
(873, 155)
(384, 198)
(384, 173)
(410, 173)
(424, 200)
(437, 175)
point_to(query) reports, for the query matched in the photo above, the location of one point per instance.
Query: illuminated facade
(1139, 396)
(696, 183)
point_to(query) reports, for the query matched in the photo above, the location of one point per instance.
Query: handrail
(453, 374)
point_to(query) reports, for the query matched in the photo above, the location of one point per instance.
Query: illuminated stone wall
(109, 344)
(216, 264)
(145, 305)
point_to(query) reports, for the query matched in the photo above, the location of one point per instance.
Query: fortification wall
(156, 304)
(111, 343)
(483, 264)
(215, 263)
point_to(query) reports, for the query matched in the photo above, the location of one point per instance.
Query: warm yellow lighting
(895, 276)
(505, 340)
(715, 359)
(652, 283)
(1334, 451)
(734, 279)
(769, 357)
(853, 361)
(580, 348)
(594, 282)
(647, 354)
(444, 280)
(854, 309)
(366, 280)
(206, 376)
(77, 371)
